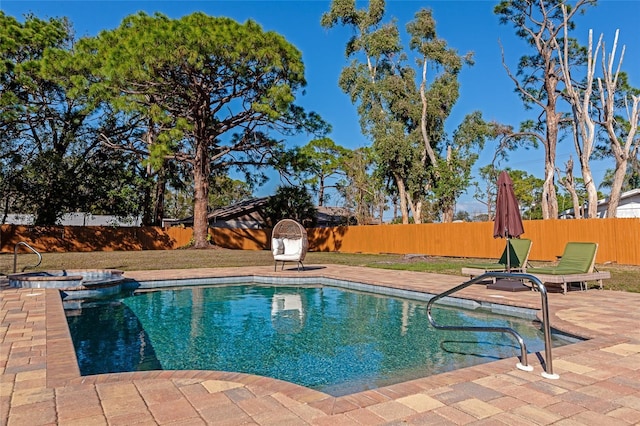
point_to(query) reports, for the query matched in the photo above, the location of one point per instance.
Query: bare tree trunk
(549, 198)
(200, 206)
(448, 214)
(542, 35)
(321, 192)
(569, 183)
(584, 128)
(621, 151)
(423, 119)
(402, 196)
(395, 208)
(416, 211)
(147, 214)
(448, 205)
(161, 187)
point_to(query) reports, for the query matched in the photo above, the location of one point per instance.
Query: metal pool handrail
(523, 365)
(15, 256)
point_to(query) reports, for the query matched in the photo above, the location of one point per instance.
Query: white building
(629, 206)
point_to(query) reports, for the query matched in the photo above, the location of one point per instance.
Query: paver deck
(599, 380)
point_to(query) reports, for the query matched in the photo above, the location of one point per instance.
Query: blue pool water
(330, 339)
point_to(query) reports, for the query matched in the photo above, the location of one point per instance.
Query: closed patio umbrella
(508, 222)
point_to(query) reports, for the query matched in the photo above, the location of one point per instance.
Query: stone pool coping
(599, 378)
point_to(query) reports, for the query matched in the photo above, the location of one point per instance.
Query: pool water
(330, 339)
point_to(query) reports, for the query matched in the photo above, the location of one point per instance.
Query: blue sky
(466, 25)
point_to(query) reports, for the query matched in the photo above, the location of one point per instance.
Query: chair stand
(275, 266)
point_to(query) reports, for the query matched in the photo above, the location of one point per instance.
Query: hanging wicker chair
(289, 243)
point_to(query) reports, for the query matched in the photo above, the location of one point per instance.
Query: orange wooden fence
(618, 239)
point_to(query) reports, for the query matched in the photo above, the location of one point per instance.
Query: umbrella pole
(508, 254)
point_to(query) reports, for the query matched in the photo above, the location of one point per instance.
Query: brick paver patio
(599, 380)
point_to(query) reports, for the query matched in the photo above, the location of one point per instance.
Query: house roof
(331, 216)
(232, 211)
(623, 196)
(238, 209)
(603, 203)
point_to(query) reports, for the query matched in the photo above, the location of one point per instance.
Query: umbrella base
(508, 285)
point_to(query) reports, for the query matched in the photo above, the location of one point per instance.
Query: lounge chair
(519, 249)
(576, 265)
(289, 243)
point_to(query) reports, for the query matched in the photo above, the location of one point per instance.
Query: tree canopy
(50, 157)
(205, 91)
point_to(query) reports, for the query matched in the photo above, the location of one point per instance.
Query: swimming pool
(335, 340)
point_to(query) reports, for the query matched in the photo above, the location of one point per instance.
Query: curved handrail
(15, 256)
(523, 365)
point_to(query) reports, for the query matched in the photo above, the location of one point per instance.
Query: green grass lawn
(623, 278)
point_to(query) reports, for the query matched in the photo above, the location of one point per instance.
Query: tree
(486, 194)
(405, 122)
(462, 215)
(291, 202)
(51, 154)
(584, 126)
(226, 191)
(378, 83)
(528, 190)
(569, 183)
(632, 177)
(624, 142)
(322, 160)
(538, 79)
(362, 187)
(211, 88)
(454, 170)
(450, 172)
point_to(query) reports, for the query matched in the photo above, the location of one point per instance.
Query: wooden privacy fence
(618, 239)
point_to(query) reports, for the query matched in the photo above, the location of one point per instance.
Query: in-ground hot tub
(73, 283)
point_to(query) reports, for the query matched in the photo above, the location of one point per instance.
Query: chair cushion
(578, 257)
(277, 246)
(295, 257)
(555, 270)
(292, 246)
(489, 266)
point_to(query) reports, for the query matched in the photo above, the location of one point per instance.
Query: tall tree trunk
(621, 151)
(549, 198)
(200, 206)
(616, 187)
(549, 201)
(592, 192)
(50, 209)
(147, 215)
(569, 183)
(416, 210)
(402, 196)
(584, 128)
(448, 204)
(395, 208)
(448, 213)
(161, 187)
(321, 192)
